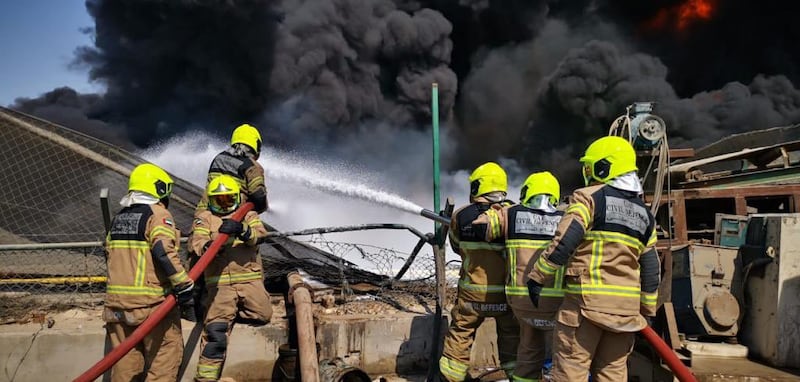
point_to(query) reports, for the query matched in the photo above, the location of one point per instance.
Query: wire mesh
(383, 290)
(66, 275)
(52, 178)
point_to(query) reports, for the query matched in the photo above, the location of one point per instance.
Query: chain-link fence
(52, 177)
(56, 276)
(51, 222)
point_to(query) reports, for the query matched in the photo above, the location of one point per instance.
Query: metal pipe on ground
(159, 313)
(300, 294)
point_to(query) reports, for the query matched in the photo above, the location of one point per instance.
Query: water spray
(316, 179)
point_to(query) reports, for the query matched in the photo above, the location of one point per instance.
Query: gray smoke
(340, 63)
(66, 107)
(550, 96)
(596, 82)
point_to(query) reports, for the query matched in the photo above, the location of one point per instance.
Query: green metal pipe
(435, 116)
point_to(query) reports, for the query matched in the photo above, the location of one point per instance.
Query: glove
(231, 227)
(184, 293)
(205, 247)
(534, 291)
(245, 236)
(188, 312)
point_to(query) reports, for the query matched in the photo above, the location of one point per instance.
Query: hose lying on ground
(665, 352)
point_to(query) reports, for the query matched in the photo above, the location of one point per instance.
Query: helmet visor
(223, 203)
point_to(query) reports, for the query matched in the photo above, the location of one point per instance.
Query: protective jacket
(247, 172)
(527, 233)
(234, 281)
(143, 263)
(236, 262)
(615, 269)
(483, 270)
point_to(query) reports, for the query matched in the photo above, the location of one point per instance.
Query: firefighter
(240, 161)
(234, 279)
(143, 266)
(527, 229)
(606, 242)
(481, 290)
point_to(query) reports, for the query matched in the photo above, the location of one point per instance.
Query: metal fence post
(439, 254)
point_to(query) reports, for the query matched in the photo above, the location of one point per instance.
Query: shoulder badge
(169, 222)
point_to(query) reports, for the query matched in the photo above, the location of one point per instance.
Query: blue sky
(38, 38)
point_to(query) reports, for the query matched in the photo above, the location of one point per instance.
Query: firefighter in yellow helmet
(481, 290)
(143, 267)
(606, 245)
(240, 161)
(234, 279)
(527, 229)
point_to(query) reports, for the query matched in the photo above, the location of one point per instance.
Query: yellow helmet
(608, 158)
(540, 183)
(487, 178)
(248, 135)
(150, 179)
(223, 194)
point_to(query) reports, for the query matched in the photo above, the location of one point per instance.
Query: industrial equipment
(702, 276)
(646, 129)
(771, 281)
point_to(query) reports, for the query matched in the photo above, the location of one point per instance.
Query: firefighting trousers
(158, 356)
(589, 347)
(466, 317)
(249, 300)
(535, 345)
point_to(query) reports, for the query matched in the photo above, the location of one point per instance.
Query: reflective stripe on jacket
(483, 271)
(527, 233)
(608, 230)
(143, 262)
(238, 261)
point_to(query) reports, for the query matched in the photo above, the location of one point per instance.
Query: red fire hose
(159, 313)
(665, 352)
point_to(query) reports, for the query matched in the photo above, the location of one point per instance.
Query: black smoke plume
(526, 80)
(66, 107)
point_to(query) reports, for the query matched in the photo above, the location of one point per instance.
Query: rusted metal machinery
(728, 227)
(702, 277)
(771, 280)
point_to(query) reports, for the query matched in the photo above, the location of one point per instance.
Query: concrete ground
(387, 344)
(394, 346)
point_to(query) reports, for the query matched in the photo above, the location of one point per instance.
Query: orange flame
(681, 16)
(693, 10)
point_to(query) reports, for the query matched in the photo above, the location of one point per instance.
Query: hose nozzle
(434, 216)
